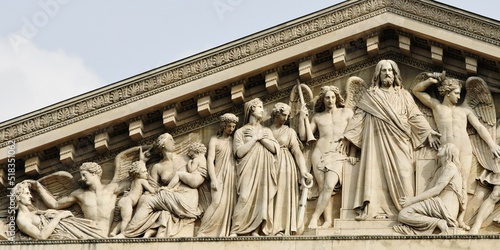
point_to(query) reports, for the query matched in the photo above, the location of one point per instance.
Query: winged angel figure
(469, 125)
(91, 203)
(57, 206)
(330, 118)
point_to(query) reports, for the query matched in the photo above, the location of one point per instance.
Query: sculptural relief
(221, 165)
(165, 213)
(452, 120)
(328, 157)
(96, 200)
(439, 205)
(49, 224)
(139, 185)
(255, 174)
(386, 126)
(291, 168)
(255, 149)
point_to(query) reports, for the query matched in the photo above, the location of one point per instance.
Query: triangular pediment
(324, 47)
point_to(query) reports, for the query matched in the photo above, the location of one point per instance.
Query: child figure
(196, 168)
(139, 185)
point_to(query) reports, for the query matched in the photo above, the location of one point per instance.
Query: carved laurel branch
(258, 47)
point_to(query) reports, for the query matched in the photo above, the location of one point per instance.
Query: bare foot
(381, 217)
(115, 231)
(255, 233)
(312, 224)
(461, 224)
(474, 230)
(443, 226)
(363, 215)
(327, 224)
(497, 219)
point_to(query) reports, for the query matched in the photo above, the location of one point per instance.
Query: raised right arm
(419, 91)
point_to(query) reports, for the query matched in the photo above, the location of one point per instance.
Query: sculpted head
(449, 153)
(450, 88)
(22, 193)
(90, 172)
(138, 170)
(328, 96)
(387, 74)
(196, 149)
(165, 142)
(254, 108)
(281, 111)
(227, 124)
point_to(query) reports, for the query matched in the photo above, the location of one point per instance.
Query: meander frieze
(235, 55)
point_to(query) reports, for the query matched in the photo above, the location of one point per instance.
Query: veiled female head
(165, 142)
(253, 108)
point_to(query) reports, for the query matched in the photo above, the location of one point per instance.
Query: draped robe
(216, 221)
(286, 202)
(387, 127)
(256, 185)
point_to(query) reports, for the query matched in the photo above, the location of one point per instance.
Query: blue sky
(53, 50)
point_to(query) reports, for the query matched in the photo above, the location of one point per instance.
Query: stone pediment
(424, 30)
(189, 95)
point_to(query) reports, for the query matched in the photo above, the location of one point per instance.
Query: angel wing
(123, 162)
(355, 87)
(182, 143)
(478, 98)
(59, 184)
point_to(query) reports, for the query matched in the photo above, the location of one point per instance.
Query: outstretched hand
(496, 151)
(434, 140)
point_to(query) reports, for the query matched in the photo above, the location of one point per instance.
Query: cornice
(241, 51)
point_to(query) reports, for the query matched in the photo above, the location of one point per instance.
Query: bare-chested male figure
(330, 119)
(451, 121)
(97, 200)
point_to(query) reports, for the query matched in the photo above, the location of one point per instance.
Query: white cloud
(32, 78)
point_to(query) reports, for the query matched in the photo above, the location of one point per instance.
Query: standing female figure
(216, 221)
(290, 159)
(255, 149)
